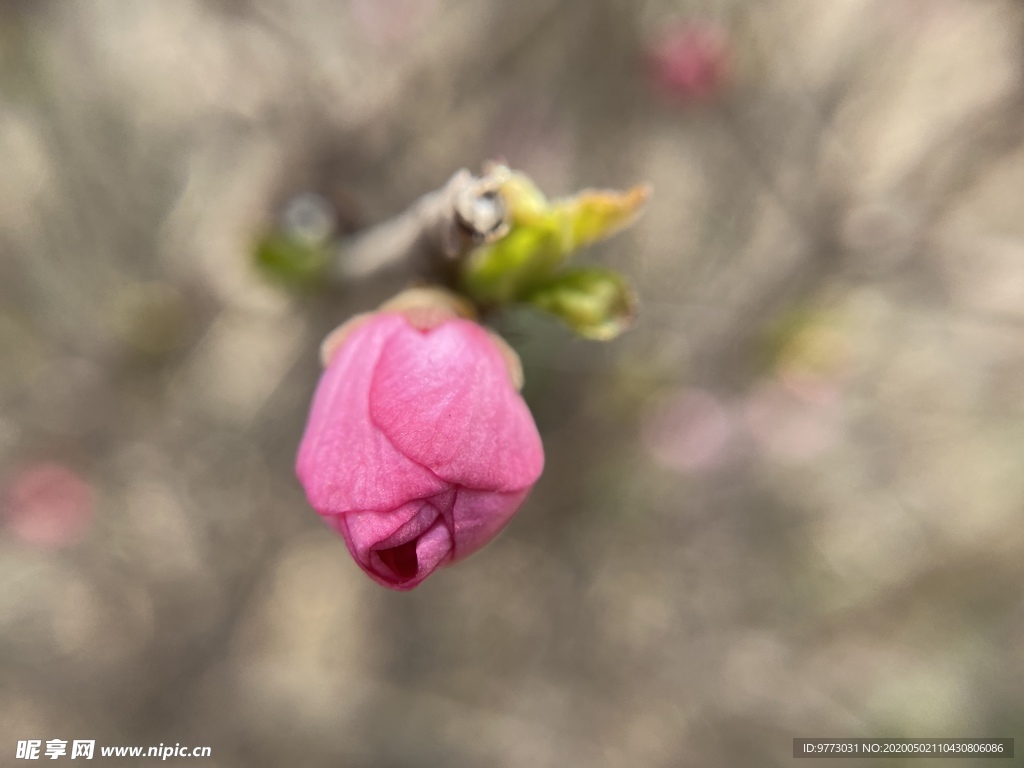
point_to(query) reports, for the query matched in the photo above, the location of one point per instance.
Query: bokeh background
(788, 503)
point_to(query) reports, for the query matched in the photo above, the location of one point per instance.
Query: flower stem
(431, 236)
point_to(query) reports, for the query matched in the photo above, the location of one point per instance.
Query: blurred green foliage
(291, 261)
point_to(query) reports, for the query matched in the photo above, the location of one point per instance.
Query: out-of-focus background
(788, 503)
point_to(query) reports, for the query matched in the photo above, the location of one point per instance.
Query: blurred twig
(433, 233)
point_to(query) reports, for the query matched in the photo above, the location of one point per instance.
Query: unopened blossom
(691, 61)
(418, 448)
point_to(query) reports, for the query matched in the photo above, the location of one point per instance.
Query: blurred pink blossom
(815, 361)
(691, 60)
(794, 424)
(48, 505)
(418, 448)
(689, 430)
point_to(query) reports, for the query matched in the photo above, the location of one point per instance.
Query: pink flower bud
(691, 61)
(418, 449)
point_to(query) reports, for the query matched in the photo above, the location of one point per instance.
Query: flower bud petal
(480, 516)
(401, 548)
(345, 462)
(418, 449)
(445, 400)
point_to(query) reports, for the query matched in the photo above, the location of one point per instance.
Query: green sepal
(505, 271)
(596, 303)
(542, 236)
(596, 214)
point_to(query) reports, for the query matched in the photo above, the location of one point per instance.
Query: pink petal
(400, 549)
(344, 461)
(480, 516)
(444, 398)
